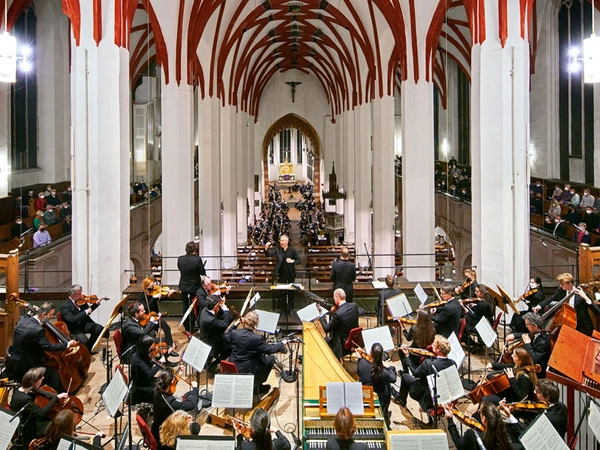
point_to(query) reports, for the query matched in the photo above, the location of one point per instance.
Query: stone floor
(283, 414)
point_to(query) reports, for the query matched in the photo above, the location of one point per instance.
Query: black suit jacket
(342, 321)
(343, 274)
(281, 257)
(539, 349)
(447, 318)
(247, 348)
(558, 415)
(279, 443)
(212, 328)
(76, 317)
(165, 404)
(132, 332)
(190, 268)
(584, 321)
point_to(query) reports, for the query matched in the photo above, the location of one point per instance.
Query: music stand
(113, 316)
(286, 289)
(501, 304)
(508, 301)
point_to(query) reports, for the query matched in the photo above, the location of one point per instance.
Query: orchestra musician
(485, 306)
(260, 433)
(34, 420)
(143, 371)
(249, 351)
(422, 334)
(179, 423)
(447, 319)
(389, 292)
(203, 292)
(495, 435)
(376, 373)
(345, 427)
(63, 424)
(78, 320)
(578, 300)
(191, 269)
(343, 274)
(522, 381)
(30, 344)
(467, 289)
(341, 322)
(416, 384)
(150, 299)
(214, 321)
(165, 403)
(284, 271)
(537, 342)
(532, 297)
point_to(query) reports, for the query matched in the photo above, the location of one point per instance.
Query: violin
(158, 349)
(470, 300)
(44, 394)
(176, 377)
(157, 291)
(419, 351)
(221, 289)
(91, 299)
(242, 428)
(468, 282)
(363, 354)
(436, 304)
(467, 420)
(151, 315)
(528, 405)
(530, 292)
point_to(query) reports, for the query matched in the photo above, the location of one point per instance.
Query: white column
(383, 186)
(5, 120)
(500, 114)
(418, 200)
(241, 145)
(350, 176)
(209, 184)
(229, 187)
(253, 160)
(178, 175)
(362, 189)
(100, 116)
(448, 118)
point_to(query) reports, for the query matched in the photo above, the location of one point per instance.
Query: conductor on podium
(285, 270)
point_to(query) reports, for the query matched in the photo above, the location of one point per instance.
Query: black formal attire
(17, 229)
(202, 296)
(284, 273)
(584, 321)
(416, 384)
(380, 306)
(34, 420)
(517, 324)
(382, 387)
(143, 371)
(343, 274)
(132, 333)
(540, 349)
(475, 313)
(469, 291)
(468, 441)
(251, 354)
(447, 318)
(341, 322)
(28, 351)
(165, 404)
(79, 323)
(191, 269)
(212, 329)
(334, 443)
(521, 387)
(151, 304)
(279, 443)
(558, 414)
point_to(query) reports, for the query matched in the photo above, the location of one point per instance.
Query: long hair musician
(522, 378)
(260, 434)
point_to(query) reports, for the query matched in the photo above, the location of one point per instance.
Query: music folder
(233, 391)
(196, 354)
(205, 443)
(8, 426)
(541, 435)
(72, 443)
(115, 393)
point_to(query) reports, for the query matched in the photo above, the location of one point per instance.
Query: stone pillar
(499, 117)
(383, 186)
(242, 177)
(362, 187)
(5, 141)
(228, 187)
(100, 117)
(350, 176)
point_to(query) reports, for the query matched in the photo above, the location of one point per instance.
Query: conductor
(284, 271)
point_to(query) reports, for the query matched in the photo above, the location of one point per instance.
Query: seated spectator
(18, 228)
(537, 204)
(40, 203)
(49, 216)
(67, 225)
(52, 199)
(555, 226)
(465, 194)
(67, 195)
(575, 199)
(582, 236)
(48, 190)
(572, 216)
(452, 191)
(39, 219)
(596, 206)
(65, 210)
(20, 208)
(556, 193)
(587, 199)
(41, 237)
(565, 196)
(591, 220)
(555, 209)
(536, 188)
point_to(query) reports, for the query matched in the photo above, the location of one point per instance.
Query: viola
(160, 291)
(363, 354)
(419, 352)
(90, 299)
(44, 394)
(158, 349)
(528, 405)
(467, 420)
(436, 304)
(221, 289)
(407, 321)
(242, 428)
(176, 377)
(506, 355)
(468, 282)
(151, 315)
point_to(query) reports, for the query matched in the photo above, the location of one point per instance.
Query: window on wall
(285, 146)
(299, 146)
(271, 153)
(24, 129)
(310, 166)
(464, 118)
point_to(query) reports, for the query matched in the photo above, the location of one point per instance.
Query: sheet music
(283, 287)
(354, 398)
(449, 386)
(335, 397)
(378, 284)
(188, 312)
(73, 443)
(420, 293)
(486, 332)
(267, 321)
(417, 440)
(594, 420)
(345, 394)
(114, 393)
(310, 313)
(399, 306)
(541, 435)
(7, 428)
(379, 334)
(196, 354)
(254, 300)
(245, 305)
(233, 391)
(457, 354)
(205, 443)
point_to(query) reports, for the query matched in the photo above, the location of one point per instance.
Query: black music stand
(285, 289)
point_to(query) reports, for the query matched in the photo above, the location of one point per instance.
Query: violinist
(214, 321)
(191, 269)
(537, 342)
(557, 412)
(447, 319)
(531, 298)
(78, 320)
(484, 306)
(63, 424)
(178, 423)
(143, 371)
(203, 292)
(165, 403)
(249, 351)
(30, 344)
(467, 289)
(150, 299)
(376, 373)
(386, 293)
(260, 434)
(522, 380)
(341, 322)
(421, 334)
(34, 420)
(495, 435)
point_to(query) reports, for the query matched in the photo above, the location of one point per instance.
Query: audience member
(49, 216)
(556, 193)
(52, 199)
(41, 237)
(587, 200)
(38, 219)
(575, 199)
(537, 204)
(555, 209)
(582, 236)
(18, 228)
(40, 203)
(591, 219)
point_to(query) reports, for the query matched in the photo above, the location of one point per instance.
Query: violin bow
(437, 294)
